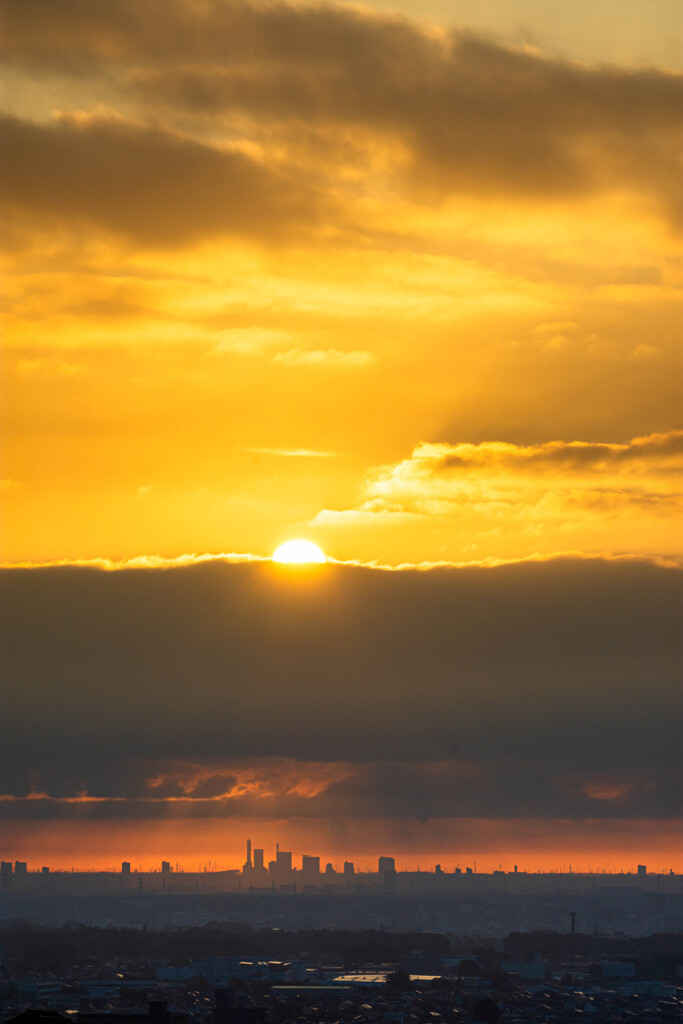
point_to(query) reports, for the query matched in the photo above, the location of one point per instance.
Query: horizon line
(160, 562)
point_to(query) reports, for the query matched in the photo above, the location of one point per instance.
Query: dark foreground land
(228, 973)
(494, 904)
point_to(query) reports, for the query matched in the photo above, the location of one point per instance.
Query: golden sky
(274, 269)
(403, 279)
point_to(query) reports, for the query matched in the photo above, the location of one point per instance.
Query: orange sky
(399, 279)
(530, 844)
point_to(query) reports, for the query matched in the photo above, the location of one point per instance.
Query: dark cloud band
(539, 688)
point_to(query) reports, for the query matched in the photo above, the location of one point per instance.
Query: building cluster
(281, 872)
(310, 990)
(20, 867)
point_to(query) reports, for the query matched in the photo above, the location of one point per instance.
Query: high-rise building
(280, 869)
(20, 867)
(166, 867)
(125, 867)
(348, 867)
(283, 860)
(387, 871)
(5, 867)
(254, 871)
(310, 867)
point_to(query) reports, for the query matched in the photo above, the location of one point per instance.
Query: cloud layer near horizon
(539, 690)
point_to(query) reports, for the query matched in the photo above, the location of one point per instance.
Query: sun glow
(298, 551)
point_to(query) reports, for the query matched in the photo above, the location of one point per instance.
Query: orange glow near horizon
(532, 845)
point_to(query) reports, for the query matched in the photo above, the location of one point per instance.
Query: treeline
(657, 956)
(43, 948)
(26, 946)
(560, 946)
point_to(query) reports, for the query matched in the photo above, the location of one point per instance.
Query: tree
(398, 981)
(486, 1010)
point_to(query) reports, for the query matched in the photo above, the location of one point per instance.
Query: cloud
(556, 327)
(141, 561)
(606, 495)
(645, 352)
(258, 780)
(249, 340)
(462, 113)
(293, 453)
(659, 455)
(232, 689)
(287, 788)
(48, 368)
(331, 358)
(147, 184)
(419, 790)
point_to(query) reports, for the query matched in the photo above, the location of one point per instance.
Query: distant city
(280, 873)
(278, 894)
(282, 876)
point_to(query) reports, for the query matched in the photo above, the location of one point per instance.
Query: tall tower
(249, 852)
(386, 870)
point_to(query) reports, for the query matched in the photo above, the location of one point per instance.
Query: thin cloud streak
(139, 562)
(293, 453)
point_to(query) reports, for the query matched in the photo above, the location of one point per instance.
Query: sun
(298, 551)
